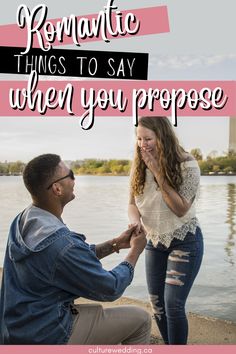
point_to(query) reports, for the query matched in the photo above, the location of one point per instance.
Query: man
(47, 267)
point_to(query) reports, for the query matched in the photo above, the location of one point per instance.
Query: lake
(100, 212)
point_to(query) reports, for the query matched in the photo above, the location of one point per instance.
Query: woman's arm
(178, 204)
(133, 213)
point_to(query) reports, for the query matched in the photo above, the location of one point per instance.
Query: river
(100, 212)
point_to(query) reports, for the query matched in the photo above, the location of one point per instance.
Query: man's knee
(148, 320)
(143, 317)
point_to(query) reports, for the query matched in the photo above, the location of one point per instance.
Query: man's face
(66, 184)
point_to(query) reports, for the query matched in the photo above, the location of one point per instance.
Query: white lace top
(161, 224)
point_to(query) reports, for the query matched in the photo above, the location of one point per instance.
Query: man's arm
(104, 249)
(137, 243)
(79, 271)
(115, 245)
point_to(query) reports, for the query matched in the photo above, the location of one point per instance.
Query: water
(100, 212)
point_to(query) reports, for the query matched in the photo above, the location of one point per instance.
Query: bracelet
(115, 246)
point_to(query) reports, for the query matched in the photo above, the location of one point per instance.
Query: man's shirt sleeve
(79, 272)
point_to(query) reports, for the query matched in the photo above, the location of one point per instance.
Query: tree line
(101, 167)
(212, 164)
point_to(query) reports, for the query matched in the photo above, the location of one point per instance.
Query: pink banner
(96, 349)
(88, 99)
(152, 20)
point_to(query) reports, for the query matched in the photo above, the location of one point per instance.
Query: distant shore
(202, 330)
(122, 174)
(212, 165)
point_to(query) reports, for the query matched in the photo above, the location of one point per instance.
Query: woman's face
(146, 139)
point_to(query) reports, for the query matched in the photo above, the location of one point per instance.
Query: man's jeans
(170, 275)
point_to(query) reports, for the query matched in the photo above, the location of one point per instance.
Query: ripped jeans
(170, 274)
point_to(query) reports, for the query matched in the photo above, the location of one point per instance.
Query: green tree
(3, 168)
(197, 154)
(228, 169)
(16, 167)
(216, 168)
(212, 155)
(204, 167)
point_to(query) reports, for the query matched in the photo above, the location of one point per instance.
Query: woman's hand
(138, 226)
(150, 160)
(123, 241)
(138, 241)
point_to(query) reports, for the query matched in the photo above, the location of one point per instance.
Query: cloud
(8, 135)
(190, 61)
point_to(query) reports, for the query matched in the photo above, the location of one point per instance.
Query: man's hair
(38, 173)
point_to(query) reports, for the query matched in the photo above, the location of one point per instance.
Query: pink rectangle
(153, 20)
(93, 349)
(128, 90)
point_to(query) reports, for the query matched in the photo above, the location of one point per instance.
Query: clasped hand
(134, 236)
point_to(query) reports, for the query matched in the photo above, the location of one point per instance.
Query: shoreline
(125, 175)
(202, 330)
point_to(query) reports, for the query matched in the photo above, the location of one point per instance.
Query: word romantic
(107, 24)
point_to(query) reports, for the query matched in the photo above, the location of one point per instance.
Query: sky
(199, 46)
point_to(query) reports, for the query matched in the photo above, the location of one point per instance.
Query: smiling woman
(164, 184)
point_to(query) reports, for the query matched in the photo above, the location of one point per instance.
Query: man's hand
(116, 244)
(137, 243)
(138, 240)
(123, 241)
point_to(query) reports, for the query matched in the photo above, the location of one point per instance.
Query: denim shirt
(40, 284)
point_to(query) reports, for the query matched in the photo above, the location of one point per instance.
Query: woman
(164, 183)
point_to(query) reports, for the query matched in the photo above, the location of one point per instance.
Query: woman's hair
(170, 155)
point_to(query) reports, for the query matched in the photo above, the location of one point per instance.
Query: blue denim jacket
(39, 285)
